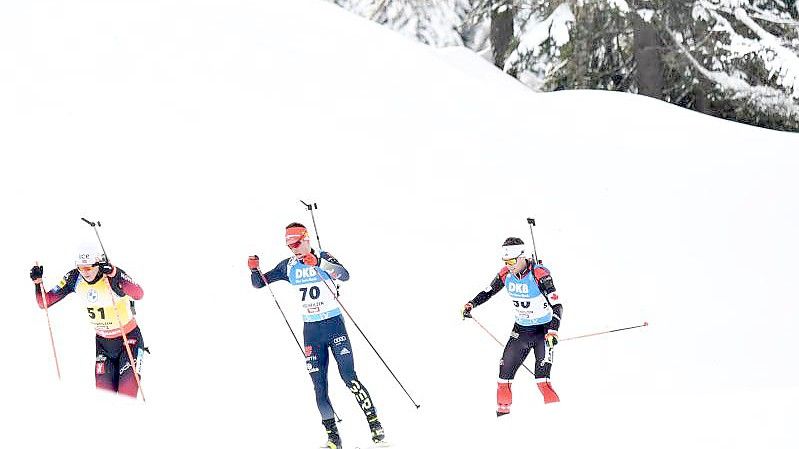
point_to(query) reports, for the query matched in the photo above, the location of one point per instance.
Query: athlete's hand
(253, 263)
(551, 337)
(107, 269)
(310, 259)
(467, 310)
(36, 274)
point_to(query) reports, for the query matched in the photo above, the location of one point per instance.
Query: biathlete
(538, 313)
(103, 288)
(312, 275)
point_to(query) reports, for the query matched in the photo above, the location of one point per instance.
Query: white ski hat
(89, 254)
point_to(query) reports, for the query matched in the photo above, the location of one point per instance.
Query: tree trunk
(649, 73)
(501, 30)
(700, 100)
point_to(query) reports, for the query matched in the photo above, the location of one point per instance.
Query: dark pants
(112, 369)
(331, 334)
(523, 340)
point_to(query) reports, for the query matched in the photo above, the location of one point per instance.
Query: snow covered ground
(191, 130)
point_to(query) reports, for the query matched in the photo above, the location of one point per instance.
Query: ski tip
(646, 323)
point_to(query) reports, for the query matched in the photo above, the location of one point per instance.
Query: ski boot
(504, 398)
(333, 439)
(378, 435)
(548, 392)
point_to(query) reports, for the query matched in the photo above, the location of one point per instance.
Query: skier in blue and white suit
(313, 276)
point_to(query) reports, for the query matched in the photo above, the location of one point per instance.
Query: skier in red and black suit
(103, 287)
(538, 313)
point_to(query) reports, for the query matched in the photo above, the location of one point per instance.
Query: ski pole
(310, 208)
(299, 346)
(334, 292)
(646, 323)
(49, 326)
(499, 342)
(531, 223)
(116, 313)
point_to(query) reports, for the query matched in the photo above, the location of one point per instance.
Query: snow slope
(192, 130)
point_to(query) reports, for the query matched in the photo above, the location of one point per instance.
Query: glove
(551, 337)
(107, 269)
(253, 262)
(36, 273)
(467, 310)
(310, 259)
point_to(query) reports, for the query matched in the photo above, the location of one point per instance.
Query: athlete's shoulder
(329, 257)
(540, 271)
(503, 273)
(69, 279)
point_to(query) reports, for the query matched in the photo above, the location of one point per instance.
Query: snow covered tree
(745, 55)
(737, 59)
(433, 22)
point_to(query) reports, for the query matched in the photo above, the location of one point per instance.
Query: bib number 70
(313, 292)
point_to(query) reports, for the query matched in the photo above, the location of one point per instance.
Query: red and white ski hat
(295, 233)
(512, 248)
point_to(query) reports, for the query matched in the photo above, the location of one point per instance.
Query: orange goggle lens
(296, 244)
(510, 262)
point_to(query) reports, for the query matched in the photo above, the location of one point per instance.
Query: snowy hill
(192, 130)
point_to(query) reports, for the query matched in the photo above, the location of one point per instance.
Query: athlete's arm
(333, 267)
(547, 287)
(123, 285)
(60, 291)
(496, 285)
(278, 273)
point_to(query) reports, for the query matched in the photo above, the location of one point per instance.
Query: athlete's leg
(513, 356)
(127, 381)
(543, 366)
(342, 351)
(316, 361)
(105, 371)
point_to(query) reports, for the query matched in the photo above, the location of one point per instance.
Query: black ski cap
(510, 241)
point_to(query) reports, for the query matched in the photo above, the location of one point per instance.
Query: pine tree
(737, 59)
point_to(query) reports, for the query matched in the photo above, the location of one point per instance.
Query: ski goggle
(86, 268)
(296, 244)
(510, 262)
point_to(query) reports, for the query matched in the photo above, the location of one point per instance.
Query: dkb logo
(300, 273)
(518, 288)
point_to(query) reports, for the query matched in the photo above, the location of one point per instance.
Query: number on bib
(313, 292)
(93, 315)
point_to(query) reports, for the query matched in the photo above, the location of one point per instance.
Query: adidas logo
(344, 351)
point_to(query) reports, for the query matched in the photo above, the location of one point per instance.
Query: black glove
(467, 310)
(107, 269)
(36, 273)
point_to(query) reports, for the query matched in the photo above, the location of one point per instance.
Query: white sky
(193, 129)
